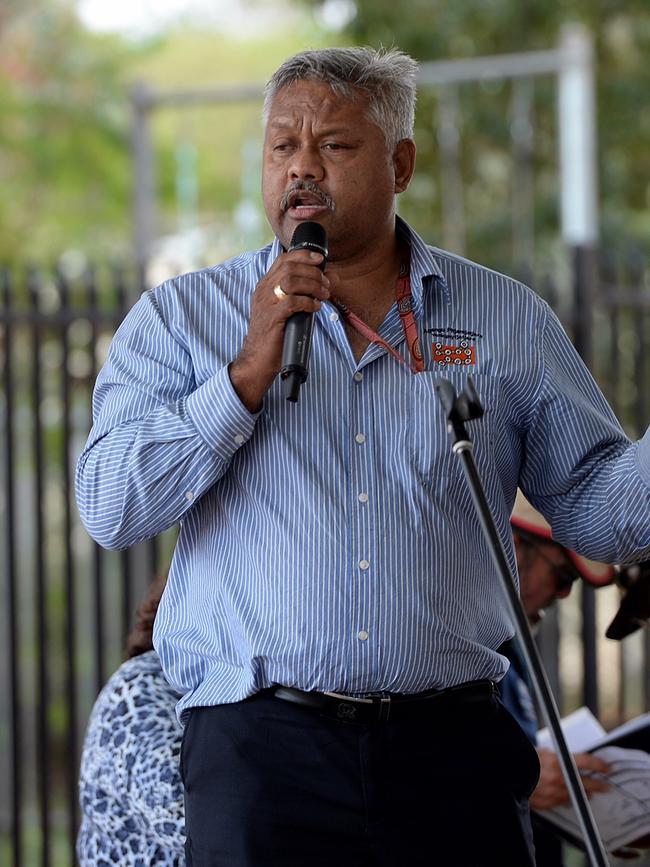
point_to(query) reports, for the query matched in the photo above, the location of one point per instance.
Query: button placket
(362, 551)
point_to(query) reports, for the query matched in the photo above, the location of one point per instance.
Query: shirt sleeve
(580, 470)
(159, 439)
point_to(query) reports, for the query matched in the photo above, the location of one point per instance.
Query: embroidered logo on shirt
(453, 346)
(451, 353)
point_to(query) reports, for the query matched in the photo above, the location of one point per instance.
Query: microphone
(299, 327)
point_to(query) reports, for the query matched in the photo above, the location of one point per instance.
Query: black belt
(389, 706)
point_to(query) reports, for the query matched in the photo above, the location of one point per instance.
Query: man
(332, 614)
(547, 572)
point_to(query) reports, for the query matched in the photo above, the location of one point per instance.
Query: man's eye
(333, 146)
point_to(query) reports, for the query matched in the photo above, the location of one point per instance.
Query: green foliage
(63, 133)
(65, 125)
(437, 30)
(66, 179)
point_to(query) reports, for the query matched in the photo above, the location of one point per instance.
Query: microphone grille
(311, 236)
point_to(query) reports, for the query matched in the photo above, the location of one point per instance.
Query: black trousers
(272, 783)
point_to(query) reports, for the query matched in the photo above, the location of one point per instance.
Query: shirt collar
(425, 270)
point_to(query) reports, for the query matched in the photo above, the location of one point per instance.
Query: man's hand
(304, 286)
(551, 790)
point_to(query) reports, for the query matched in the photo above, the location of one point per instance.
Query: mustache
(306, 187)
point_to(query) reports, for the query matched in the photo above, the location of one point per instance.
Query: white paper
(622, 813)
(581, 730)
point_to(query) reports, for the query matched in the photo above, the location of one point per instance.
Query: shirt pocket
(430, 443)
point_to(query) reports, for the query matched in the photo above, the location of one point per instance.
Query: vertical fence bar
(125, 556)
(97, 558)
(584, 271)
(523, 181)
(72, 734)
(635, 280)
(42, 697)
(447, 123)
(641, 322)
(12, 590)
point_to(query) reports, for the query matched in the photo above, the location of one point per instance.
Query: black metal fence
(68, 604)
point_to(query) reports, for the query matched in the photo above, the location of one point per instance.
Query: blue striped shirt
(332, 544)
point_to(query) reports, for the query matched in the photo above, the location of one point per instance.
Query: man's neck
(368, 285)
(367, 288)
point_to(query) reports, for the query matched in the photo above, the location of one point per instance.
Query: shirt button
(364, 564)
(363, 497)
(358, 376)
(362, 635)
(360, 438)
(189, 495)
(240, 440)
(334, 317)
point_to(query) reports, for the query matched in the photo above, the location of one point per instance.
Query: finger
(590, 762)
(594, 784)
(297, 304)
(299, 280)
(310, 256)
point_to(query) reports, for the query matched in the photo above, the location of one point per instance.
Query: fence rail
(69, 603)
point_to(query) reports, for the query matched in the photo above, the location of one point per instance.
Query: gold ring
(279, 292)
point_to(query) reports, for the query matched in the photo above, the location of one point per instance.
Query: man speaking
(332, 615)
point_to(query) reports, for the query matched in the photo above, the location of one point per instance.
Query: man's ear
(404, 164)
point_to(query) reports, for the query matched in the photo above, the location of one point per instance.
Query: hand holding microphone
(299, 328)
(293, 289)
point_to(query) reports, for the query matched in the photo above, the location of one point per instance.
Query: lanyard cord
(404, 297)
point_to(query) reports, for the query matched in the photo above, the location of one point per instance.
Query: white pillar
(577, 122)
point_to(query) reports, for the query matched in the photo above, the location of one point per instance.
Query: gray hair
(386, 78)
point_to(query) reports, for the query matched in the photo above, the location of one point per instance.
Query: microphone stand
(458, 410)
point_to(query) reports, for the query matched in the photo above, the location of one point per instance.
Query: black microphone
(299, 327)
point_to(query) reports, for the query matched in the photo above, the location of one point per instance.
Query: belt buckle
(347, 709)
(381, 701)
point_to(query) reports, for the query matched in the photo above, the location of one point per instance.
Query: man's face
(544, 569)
(326, 143)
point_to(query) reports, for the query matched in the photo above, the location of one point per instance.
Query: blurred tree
(64, 160)
(436, 30)
(65, 128)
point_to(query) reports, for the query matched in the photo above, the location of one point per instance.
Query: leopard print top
(130, 787)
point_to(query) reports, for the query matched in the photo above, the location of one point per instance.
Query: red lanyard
(404, 298)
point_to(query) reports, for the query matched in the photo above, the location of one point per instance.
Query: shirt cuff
(219, 416)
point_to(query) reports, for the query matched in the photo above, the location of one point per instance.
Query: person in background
(333, 616)
(547, 571)
(130, 787)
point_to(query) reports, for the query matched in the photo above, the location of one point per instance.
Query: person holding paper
(547, 571)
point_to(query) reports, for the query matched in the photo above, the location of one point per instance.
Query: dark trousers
(272, 783)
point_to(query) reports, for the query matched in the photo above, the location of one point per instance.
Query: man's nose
(306, 164)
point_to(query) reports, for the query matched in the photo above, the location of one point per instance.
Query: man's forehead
(316, 97)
